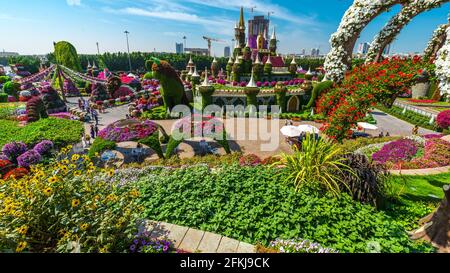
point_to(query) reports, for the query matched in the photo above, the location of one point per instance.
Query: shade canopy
(308, 129)
(290, 131)
(367, 126)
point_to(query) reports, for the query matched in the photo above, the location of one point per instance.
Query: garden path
(395, 127)
(195, 241)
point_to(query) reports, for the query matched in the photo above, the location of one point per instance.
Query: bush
(251, 205)
(317, 164)
(100, 145)
(12, 89)
(152, 141)
(443, 120)
(60, 131)
(171, 146)
(4, 79)
(368, 185)
(250, 160)
(3, 97)
(317, 90)
(29, 158)
(69, 211)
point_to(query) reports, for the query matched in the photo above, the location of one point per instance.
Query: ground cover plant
(60, 131)
(251, 204)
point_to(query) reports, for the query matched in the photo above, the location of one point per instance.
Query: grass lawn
(421, 188)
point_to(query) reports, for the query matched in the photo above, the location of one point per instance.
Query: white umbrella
(308, 129)
(290, 131)
(131, 75)
(367, 126)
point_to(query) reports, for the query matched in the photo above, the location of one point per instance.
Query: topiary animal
(36, 109)
(172, 88)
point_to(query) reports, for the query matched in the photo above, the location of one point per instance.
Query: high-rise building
(259, 25)
(387, 50)
(363, 48)
(227, 52)
(179, 48)
(317, 52)
(303, 52)
(313, 52)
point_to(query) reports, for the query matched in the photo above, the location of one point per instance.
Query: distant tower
(273, 43)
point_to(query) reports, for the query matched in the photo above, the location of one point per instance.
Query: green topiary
(206, 92)
(152, 141)
(12, 89)
(172, 88)
(280, 95)
(66, 55)
(4, 79)
(36, 109)
(171, 146)
(317, 90)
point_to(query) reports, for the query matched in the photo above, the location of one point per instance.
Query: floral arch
(396, 24)
(442, 63)
(437, 41)
(356, 18)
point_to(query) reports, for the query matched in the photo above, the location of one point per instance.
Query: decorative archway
(293, 104)
(355, 19)
(442, 63)
(396, 24)
(437, 41)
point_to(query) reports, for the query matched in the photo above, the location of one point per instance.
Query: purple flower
(43, 147)
(29, 158)
(396, 151)
(13, 150)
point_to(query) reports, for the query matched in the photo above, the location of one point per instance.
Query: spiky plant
(319, 163)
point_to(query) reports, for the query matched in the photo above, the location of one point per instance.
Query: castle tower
(273, 43)
(241, 37)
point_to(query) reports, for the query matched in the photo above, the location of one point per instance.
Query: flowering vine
(439, 35)
(442, 63)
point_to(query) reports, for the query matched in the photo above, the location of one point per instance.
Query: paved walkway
(395, 126)
(195, 241)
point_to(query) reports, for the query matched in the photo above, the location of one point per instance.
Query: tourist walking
(83, 141)
(95, 116)
(96, 130)
(415, 130)
(80, 103)
(92, 131)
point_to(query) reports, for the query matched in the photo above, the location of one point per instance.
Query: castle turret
(273, 43)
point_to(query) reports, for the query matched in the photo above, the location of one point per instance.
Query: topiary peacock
(172, 88)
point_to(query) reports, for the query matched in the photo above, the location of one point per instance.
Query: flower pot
(420, 90)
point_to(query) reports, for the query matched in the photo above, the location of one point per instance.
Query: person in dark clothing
(96, 130)
(92, 132)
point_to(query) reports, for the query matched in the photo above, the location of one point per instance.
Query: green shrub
(100, 145)
(171, 146)
(4, 79)
(316, 164)
(12, 89)
(3, 97)
(250, 204)
(60, 131)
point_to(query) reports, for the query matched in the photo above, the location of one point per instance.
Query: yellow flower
(23, 230)
(104, 249)
(72, 166)
(69, 147)
(21, 246)
(65, 162)
(64, 150)
(48, 191)
(111, 172)
(75, 157)
(52, 179)
(64, 168)
(84, 227)
(77, 173)
(75, 203)
(134, 193)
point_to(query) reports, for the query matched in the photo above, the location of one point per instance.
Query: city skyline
(158, 25)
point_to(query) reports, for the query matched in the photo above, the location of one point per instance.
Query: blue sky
(30, 26)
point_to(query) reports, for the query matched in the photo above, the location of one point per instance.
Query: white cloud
(73, 2)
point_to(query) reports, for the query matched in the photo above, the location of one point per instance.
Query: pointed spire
(269, 60)
(190, 63)
(252, 83)
(241, 19)
(274, 36)
(237, 61)
(257, 61)
(89, 64)
(190, 71)
(309, 71)
(195, 74)
(230, 60)
(238, 45)
(215, 60)
(293, 60)
(206, 82)
(94, 65)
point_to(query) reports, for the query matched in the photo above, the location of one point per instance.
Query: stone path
(421, 172)
(395, 127)
(194, 240)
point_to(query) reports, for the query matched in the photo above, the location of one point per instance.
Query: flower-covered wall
(443, 66)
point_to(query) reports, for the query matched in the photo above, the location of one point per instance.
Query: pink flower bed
(443, 119)
(437, 154)
(128, 130)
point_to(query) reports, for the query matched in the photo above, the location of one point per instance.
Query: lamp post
(128, 47)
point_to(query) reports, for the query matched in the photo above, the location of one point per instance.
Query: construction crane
(210, 40)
